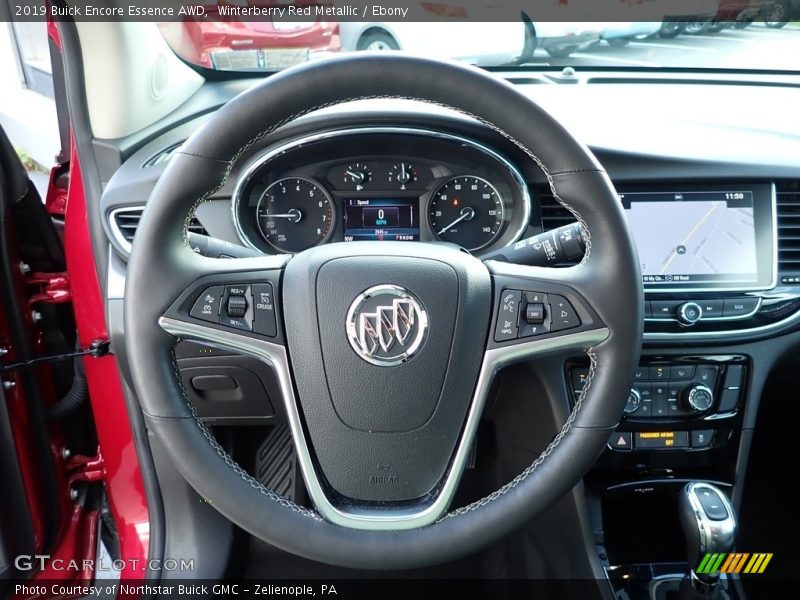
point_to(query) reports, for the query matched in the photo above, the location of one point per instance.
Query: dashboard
(384, 170)
(714, 207)
(382, 183)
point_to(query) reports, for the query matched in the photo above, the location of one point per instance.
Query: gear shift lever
(708, 525)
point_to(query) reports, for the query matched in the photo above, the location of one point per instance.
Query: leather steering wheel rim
(161, 263)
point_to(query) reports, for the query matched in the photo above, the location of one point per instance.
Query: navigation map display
(697, 237)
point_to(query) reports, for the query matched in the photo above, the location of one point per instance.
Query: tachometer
(467, 211)
(294, 214)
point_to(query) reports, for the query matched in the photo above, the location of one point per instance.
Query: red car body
(199, 42)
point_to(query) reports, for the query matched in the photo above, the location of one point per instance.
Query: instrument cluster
(380, 184)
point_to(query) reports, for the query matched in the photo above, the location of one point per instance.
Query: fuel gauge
(357, 174)
(403, 173)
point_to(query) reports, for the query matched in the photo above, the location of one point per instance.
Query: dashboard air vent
(788, 203)
(162, 156)
(553, 214)
(124, 222)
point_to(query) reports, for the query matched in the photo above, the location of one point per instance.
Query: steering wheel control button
(579, 376)
(689, 313)
(562, 314)
(507, 316)
(739, 307)
(534, 313)
(621, 440)
(236, 306)
(206, 307)
(712, 504)
(699, 398)
(235, 322)
(264, 321)
(702, 438)
(634, 400)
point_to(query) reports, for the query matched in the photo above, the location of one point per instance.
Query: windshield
(249, 35)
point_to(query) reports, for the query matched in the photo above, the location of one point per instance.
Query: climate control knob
(634, 400)
(698, 398)
(689, 313)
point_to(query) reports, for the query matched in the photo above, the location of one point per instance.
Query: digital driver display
(694, 237)
(381, 219)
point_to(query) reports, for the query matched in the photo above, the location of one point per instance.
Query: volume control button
(689, 313)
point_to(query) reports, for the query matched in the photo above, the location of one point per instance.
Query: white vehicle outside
(486, 44)
(619, 34)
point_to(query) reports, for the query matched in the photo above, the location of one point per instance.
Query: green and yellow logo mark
(734, 562)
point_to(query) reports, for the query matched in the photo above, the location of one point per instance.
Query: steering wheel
(384, 351)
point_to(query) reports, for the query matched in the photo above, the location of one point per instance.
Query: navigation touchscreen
(701, 238)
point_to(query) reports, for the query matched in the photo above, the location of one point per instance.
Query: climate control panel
(679, 390)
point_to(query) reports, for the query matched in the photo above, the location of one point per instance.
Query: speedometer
(294, 214)
(467, 211)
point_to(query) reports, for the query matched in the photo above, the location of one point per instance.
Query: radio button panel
(690, 311)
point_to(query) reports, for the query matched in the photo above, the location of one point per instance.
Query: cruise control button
(562, 314)
(237, 322)
(739, 307)
(264, 321)
(206, 307)
(236, 306)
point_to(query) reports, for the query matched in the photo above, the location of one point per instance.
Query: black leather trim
(161, 265)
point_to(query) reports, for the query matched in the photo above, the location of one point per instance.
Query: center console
(709, 261)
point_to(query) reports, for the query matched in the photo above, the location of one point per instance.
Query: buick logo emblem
(386, 325)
